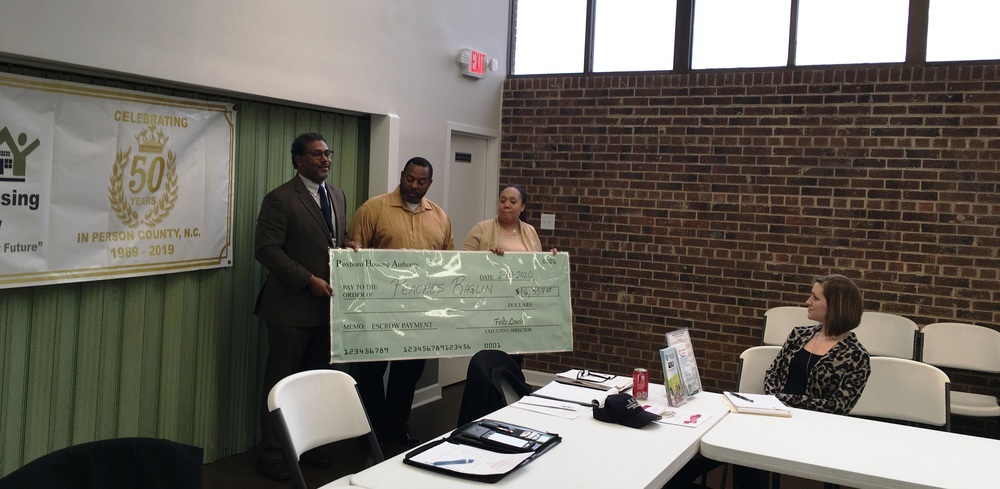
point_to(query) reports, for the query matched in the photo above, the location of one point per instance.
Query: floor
(426, 422)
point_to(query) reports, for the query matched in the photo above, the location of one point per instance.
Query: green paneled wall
(175, 356)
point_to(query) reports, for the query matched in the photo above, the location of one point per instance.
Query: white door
(468, 178)
(467, 184)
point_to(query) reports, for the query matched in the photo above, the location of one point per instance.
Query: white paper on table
(616, 381)
(679, 417)
(552, 407)
(683, 418)
(572, 393)
(484, 462)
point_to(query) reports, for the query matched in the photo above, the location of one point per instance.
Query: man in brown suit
(295, 231)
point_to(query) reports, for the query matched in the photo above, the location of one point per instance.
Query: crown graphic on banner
(151, 140)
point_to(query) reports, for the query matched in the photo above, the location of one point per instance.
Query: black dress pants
(389, 407)
(290, 350)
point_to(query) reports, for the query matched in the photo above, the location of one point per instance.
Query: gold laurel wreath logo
(120, 205)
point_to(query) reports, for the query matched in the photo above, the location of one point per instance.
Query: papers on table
(742, 402)
(467, 459)
(679, 417)
(562, 409)
(594, 380)
(573, 393)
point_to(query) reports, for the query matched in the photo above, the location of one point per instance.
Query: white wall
(379, 57)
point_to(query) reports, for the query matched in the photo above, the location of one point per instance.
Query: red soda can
(640, 384)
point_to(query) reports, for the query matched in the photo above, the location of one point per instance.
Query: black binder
(484, 434)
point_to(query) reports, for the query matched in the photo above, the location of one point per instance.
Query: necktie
(324, 205)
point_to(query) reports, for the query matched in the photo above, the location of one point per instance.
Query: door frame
(452, 370)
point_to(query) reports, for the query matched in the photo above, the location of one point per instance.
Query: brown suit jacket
(292, 242)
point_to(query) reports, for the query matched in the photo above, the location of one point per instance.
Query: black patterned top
(834, 384)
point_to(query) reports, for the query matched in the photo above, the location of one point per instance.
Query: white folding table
(591, 454)
(854, 452)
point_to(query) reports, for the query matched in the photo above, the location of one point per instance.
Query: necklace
(512, 233)
(809, 360)
(816, 340)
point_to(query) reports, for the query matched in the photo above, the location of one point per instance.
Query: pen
(498, 427)
(454, 462)
(747, 399)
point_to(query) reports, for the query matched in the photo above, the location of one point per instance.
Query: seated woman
(821, 368)
(825, 367)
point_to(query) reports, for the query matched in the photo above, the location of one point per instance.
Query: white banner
(405, 304)
(99, 183)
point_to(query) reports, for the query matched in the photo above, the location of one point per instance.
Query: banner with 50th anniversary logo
(99, 183)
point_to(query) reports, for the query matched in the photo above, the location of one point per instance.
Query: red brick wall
(701, 200)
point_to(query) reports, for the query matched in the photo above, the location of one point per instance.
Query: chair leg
(376, 449)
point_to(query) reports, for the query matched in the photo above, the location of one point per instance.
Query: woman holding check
(506, 232)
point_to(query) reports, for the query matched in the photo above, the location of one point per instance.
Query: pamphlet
(669, 415)
(683, 418)
(681, 339)
(672, 376)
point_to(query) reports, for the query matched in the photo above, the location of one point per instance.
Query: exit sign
(477, 64)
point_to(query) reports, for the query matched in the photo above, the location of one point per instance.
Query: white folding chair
(779, 321)
(967, 347)
(906, 390)
(317, 407)
(889, 335)
(754, 362)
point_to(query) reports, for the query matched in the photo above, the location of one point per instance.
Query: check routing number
(403, 304)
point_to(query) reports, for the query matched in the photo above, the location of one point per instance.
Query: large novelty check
(396, 304)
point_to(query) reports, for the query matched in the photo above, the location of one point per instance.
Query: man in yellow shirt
(401, 219)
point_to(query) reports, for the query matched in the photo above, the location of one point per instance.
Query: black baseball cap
(625, 410)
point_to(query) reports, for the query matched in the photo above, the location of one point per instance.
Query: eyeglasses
(588, 376)
(319, 154)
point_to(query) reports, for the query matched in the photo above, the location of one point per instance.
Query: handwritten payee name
(456, 287)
